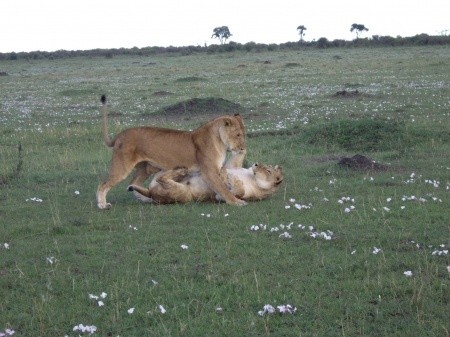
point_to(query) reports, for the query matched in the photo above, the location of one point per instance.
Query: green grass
(219, 284)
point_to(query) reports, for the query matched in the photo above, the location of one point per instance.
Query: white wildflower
(91, 329)
(8, 332)
(285, 235)
(300, 206)
(267, 309)
(130, 311)
(286, 309)
(440, 252)
(376, 250)
(77, 192)
(161, 308)
(282, 309)
(35, 199)
(184, 247)
(408, 273)
(325, 236)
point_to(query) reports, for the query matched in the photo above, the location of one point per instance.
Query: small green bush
(362, 135)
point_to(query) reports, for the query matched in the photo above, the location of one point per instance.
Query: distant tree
(221, 33)
(358, 28)
(301, 30)
(322, 42)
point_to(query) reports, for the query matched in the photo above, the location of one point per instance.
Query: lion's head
(232, 133)
(268, 176)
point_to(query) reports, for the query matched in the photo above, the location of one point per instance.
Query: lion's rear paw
(182, 171)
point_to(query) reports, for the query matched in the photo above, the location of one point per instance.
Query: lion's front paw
(240, 202)
(104, 206)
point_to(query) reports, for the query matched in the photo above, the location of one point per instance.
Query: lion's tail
(108, 141)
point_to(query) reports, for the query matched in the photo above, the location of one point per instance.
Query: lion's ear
(238, 116)
(227, 122)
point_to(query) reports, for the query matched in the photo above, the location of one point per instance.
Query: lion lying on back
(181, 185)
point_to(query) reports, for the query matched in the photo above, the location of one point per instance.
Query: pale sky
(49, 25)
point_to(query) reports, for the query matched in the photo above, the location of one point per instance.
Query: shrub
(363, 135)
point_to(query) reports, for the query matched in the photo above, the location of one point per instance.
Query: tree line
(374, 41)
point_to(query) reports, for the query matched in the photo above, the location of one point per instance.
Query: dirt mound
(363, 163)
(161, 93)
(202, 106)
(350, 94)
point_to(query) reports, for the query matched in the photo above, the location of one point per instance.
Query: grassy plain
(57, 248)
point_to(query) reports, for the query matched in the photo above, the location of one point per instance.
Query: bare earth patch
(350, 94)
(203, 106)
(161, 93)
(362, 163)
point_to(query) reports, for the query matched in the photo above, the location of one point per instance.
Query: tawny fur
(180, 185)
(151, 149)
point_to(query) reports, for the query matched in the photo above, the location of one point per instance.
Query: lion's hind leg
(171, 188)
(141, 193)
(172, 178)
(120, 168)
